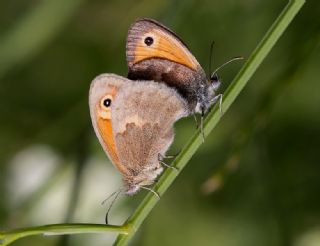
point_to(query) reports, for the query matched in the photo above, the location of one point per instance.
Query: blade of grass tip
(256, 58)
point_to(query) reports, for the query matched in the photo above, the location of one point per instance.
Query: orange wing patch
(165, 47)
(106, 132)
(105, 129)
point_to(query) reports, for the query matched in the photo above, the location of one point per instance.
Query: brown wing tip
(159, 24)
(142, 19)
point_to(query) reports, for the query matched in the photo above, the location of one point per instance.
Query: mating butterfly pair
(133, 117)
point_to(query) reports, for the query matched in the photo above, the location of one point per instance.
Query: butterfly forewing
(149, 39)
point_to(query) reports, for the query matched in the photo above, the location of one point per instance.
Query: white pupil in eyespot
(107, 102)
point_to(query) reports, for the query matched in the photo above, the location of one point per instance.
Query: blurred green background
(255, 180)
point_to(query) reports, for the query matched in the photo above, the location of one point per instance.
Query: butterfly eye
(214, 78)
(106, 101)
(148, 41)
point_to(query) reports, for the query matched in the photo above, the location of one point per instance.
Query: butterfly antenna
(226, 63)
(115, 194)
(151, 190)
(210, 57)
(110, 196)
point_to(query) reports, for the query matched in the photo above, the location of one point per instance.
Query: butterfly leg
(151, 190)
(161, 158)
(196, 120)
(215, 99)
(201, 124)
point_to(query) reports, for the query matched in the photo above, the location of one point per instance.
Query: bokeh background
(255, 180)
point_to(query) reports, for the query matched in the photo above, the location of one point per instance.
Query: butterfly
(154, 52)
(134, 124)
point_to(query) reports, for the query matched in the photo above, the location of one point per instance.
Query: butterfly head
(214, 78)
(214, 82)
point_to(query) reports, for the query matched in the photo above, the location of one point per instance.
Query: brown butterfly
(134, 124)
(154, 52)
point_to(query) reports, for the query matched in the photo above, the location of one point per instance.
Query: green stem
(256, 58)
(59, 229)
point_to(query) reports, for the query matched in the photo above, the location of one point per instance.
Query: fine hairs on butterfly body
(134, 124)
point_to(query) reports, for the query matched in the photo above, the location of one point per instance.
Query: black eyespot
(107, 102)
(148, 41)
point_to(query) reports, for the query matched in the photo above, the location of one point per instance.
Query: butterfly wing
(101, 86)
(149, 39)
(134, 125)
(144, 114)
